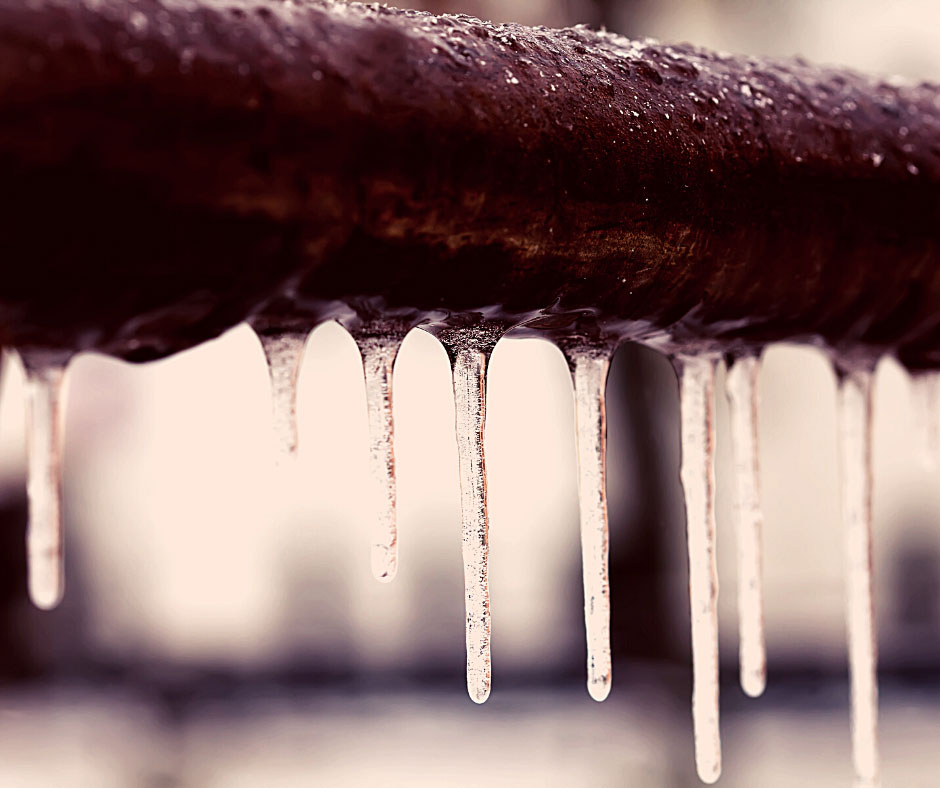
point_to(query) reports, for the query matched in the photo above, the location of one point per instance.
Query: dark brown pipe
(169, 169)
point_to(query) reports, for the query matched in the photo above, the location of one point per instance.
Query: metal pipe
(169, 169)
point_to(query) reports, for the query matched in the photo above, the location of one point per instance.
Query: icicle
(589, 368)
(855, 437)
(284, 351)
(469, 350)
(925, 404)
(44, 535)
(743, 399)
(697, 403)
(378, 358)
(469, 368)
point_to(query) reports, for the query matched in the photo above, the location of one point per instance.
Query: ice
(45, 375)
(284, 351)
(741, 387)
(697, 404)
(589, 369)
(855, 454)
(469, 349)
(379, 351)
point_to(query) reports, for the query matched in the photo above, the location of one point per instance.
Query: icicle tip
(599, 688)
(708, 773)
(479, 693)
(754, 683)
(384, 563)
(45, 592)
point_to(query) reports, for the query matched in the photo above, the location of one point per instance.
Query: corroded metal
(170, 168)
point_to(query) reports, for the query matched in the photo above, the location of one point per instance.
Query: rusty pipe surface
(169, 168)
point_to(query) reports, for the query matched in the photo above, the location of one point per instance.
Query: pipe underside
(169, 169)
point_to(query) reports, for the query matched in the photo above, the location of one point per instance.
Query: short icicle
(45, 547)
(925, 406)
(469, 350)
(697, 404)
(589, 367)
(742, 394)
(855, 454)
(379, 349)
(284, 352)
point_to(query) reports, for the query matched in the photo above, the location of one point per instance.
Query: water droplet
(138, 22)
(45, 375)
(743, 400)
(589, 370)
(697, 406)
(855, 450)
(284, 352)
(379, 348)
(187, 56)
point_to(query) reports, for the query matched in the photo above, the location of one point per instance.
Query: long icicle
(468, 348)
(855, 440)
(742, 394)
(469, 398)
(284, 351)
(45, 534)
(589, 369)
(697, 403)
(378, 360)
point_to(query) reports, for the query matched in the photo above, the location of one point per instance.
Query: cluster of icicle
(469, 349)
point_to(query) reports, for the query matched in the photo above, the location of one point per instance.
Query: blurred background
(221, 626)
